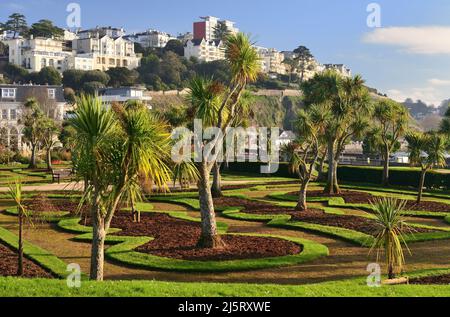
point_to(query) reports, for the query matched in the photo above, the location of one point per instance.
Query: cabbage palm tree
(427, 150)
(347, 107)
(218, 105)
(113, 148)
(15, 192)
(391, 120)
(389, 237)
(305, 151)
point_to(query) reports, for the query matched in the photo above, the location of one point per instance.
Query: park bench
(57, 175)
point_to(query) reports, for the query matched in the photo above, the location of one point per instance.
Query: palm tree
(218, 106)
(15, 192)
(392, 122)
(305, 151)
(427, 150)
(49, 139)
(291, 65)
(33, 120)
(346, 107)
(185, 173)
(112, 149)
(389, 237)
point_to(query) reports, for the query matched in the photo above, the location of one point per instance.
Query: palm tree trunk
(20, 249)
(217, 181)
(49, 159)
(386, 168)
(391, 274)
(332, 186)
(421, 185)
(302, 204)
(321, 174)
(33, 156)
(136, 213)
(209, 237)
(98, 245)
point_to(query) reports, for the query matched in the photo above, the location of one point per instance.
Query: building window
(5, 114)
(13, 114)
(8, 93)
(52, 93)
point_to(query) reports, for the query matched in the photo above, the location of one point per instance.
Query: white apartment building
(205, 51)
(151, 39)
(37, 53)
(12, 99)
(98, 49)
(106, 51)
(271, 61)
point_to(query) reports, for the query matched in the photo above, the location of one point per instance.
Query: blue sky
(409, 56)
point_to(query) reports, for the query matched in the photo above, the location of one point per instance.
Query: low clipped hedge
(398, 177)
(122, 250)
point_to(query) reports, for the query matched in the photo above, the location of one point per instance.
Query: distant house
(12, 100)
(285, 138)
(124, 94)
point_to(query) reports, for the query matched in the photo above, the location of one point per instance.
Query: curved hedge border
(46, 216)
(359, 238)
(123, 246)
(44, 258)
(339, 202)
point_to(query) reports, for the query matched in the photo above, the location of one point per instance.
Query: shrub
(399, 177)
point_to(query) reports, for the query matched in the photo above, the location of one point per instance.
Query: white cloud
(439, 82)
(416, 40)
(429, 94)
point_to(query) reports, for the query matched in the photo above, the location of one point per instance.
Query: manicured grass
(42, 257)
(14, 287)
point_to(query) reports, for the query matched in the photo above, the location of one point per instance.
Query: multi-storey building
(340, 68)
(151, 38)
(97, 49)
(106, 50)
(37, 53)
(203, 50)
(271, 61)
(12, 100)
(205, 29)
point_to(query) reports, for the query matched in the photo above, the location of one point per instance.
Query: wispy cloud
(433, 93)
(428, 40)
(439, 82)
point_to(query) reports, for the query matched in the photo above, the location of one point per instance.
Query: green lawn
(14, 287)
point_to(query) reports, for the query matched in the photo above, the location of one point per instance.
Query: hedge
(357, 174)
(397, 177)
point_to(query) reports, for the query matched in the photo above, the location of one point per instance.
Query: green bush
(398, 177)
(255, 168)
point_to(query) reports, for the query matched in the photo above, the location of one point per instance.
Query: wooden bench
(58, 174)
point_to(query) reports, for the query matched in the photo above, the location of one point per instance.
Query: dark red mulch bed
(315, 216)
(350, 197)
(353, 197)
(239, 202)
(8, 265)
(176, 238)
(41, 203)
(239, 186)
(437, 280)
